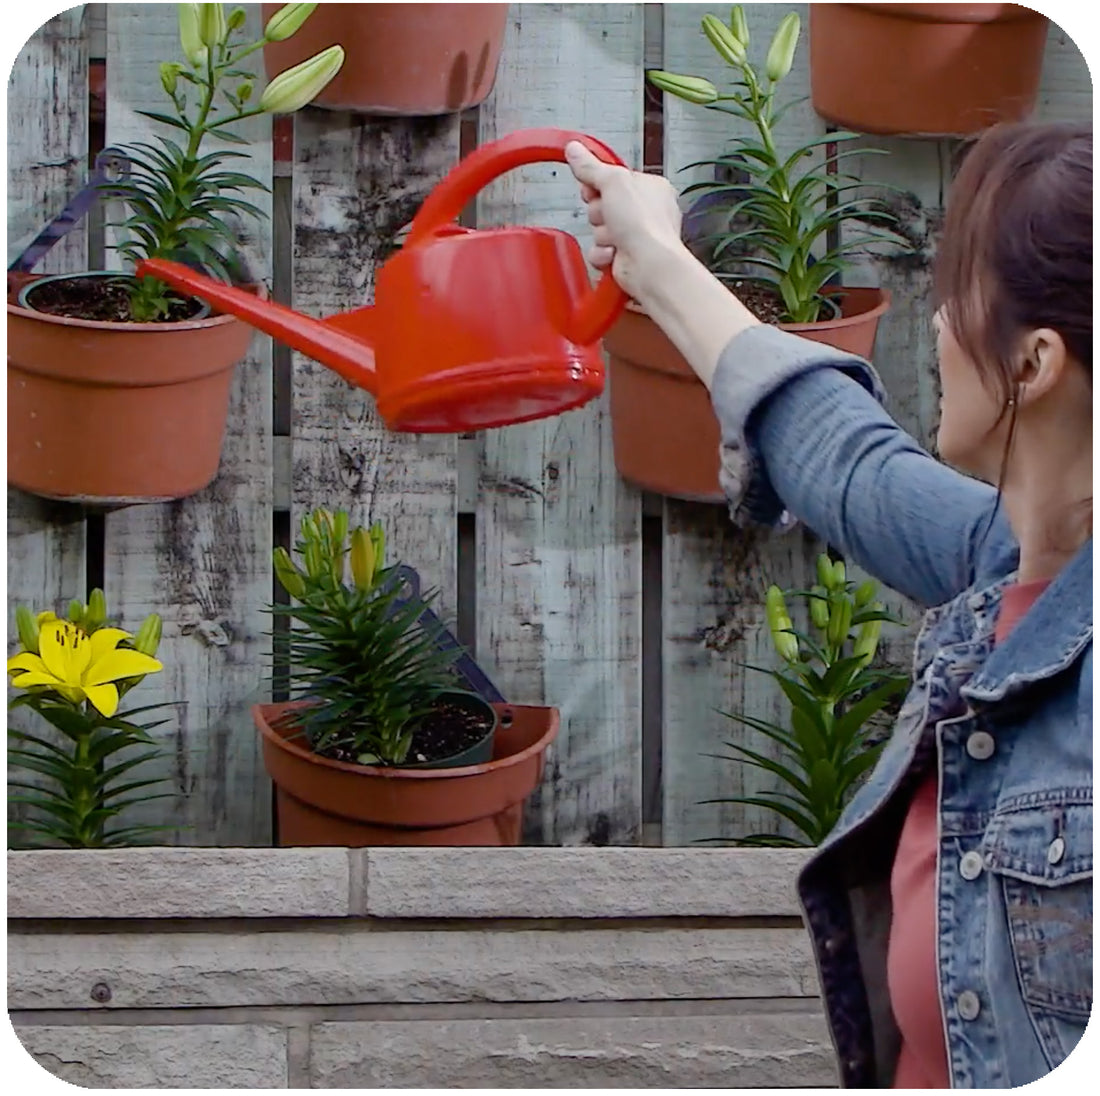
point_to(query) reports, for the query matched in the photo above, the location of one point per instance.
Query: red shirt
(912, 966)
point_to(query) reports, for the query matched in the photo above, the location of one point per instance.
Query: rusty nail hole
(101, 993)
(506, 717)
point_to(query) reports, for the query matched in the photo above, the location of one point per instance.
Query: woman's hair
(1016, 250)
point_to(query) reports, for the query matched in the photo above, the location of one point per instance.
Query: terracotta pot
(925, 69)
(666, 435)
(117, 413)
(418, 59)
(323, 802)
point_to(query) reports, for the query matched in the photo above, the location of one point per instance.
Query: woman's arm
(819, 444)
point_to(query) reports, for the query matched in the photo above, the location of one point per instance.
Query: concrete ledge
(178, 882)
(636, 1052)
(582, 882)
(228, 969)
(403, 883)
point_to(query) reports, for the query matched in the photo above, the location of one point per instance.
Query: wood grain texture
(47, 154)
(716, 575)
(559, 578)
(357, 182)
(203, 563)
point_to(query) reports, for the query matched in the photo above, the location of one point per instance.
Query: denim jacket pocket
(1040, 847)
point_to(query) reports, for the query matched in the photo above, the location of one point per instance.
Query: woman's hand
(635, 218)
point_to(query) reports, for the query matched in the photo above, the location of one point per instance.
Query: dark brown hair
(1019, 226)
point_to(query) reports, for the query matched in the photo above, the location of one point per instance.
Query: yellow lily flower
(80, 666)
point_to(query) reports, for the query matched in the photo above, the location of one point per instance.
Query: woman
(951, 908)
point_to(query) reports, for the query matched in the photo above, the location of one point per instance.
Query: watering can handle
(601, 306)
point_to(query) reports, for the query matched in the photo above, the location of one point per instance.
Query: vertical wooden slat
(715, 575)
(559, 601)
(357, 182)
(203, 563)
(47, 153)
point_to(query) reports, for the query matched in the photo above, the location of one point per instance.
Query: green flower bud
(378, 541)
(169, 76)
(190, 39)
(825, 571)
(293, 89)
(286, 21)
(148, 635)
(725, 42)
(212, 28)
(290, 578)
(819, 607)
(340, 528)
(28, 629)
(244, 91)
(362, 559)
(840, 620)
(236, 20)
(76, 611)
(781, 51)
(779, 623)
(867, 639)
(840, 576)
(739, 27)
(95, 615)
(865, 592)
(692, 89)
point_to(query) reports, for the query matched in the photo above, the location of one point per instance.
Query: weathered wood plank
(346, 967)
(203, 563)
(715, 575)
(47, 156)
(357, 182)
(559, 577)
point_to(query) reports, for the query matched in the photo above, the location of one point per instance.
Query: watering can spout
(343, 343)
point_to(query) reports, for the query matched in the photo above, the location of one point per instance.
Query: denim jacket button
(968, 1005)
(970, 865)
(1056, 850)
(980, 745)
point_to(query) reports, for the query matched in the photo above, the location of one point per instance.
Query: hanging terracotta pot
(413, 59)
(116, 413)
(925, 69)
(325, 802)
(665, 434)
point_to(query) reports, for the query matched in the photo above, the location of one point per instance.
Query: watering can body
(471, 328)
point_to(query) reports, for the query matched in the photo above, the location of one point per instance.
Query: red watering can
(470, 328)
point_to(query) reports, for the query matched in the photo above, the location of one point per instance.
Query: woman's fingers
(601, 257)
(601, 237)
(589, 193)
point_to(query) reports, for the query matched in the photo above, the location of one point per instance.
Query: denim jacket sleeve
(803, 431)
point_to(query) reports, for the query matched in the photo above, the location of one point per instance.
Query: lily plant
(73, 674)
(837, 696)
(180, 203)
(791, 204)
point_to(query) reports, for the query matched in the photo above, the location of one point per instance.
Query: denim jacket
(1009, 729)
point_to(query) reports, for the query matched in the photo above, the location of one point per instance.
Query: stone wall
(422, 968)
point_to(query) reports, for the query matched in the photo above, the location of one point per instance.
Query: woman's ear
(1043, 358)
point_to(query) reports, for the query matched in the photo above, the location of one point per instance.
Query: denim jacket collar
(1056, 630)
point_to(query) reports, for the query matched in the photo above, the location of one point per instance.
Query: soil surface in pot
(450, 728)
(98, 299)
(764, 302)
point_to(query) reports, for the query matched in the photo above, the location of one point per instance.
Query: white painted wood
(559, 598)
(357, 182)
(47, 152)
(203, 563)
(714, 575)
(320, 966)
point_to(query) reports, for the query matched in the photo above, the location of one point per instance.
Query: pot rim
(969, 14)
(203, 323)
(884, 299)
(260, 716)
